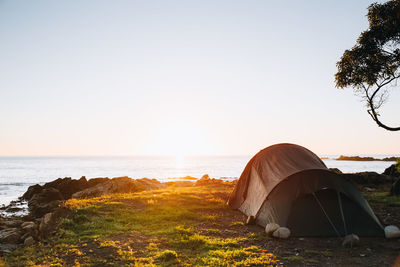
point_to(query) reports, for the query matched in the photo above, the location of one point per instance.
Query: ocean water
(18, 173)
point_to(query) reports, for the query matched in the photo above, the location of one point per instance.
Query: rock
(10, 235)
(50, 221)
(281, 232)
(29, 228)
(206, 180)
(26, 226)
(25, 236)
(46, 201)
(270, 228)
(13, 209)
(39, 209)
(47, 195)
(369, 189)
(7, 248)
(392, 171)
(205, 177)
(95, 181)
(10, 223)
(350, 241)
(67, 186)
(32, 190)
(45, 222)
(395, 188)
(336, 170)
(119, 185)
(251, 220)
(368, 178)
(29, 241)
(392, 231)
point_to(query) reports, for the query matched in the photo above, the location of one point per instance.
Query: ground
(193, 226)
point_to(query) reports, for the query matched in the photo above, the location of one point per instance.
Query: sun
(180, 139)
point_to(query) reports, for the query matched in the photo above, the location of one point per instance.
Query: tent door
(317, 214)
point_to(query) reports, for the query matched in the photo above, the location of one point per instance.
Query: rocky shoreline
(45, 206)
(45, 209)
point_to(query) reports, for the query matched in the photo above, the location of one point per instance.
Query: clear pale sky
(182, 77)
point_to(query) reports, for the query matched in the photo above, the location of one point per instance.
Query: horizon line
(187, 156)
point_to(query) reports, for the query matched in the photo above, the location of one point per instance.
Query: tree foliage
(373, 64)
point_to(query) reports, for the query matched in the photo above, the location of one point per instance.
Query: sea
(18, 173)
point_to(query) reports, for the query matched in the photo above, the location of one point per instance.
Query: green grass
(166, 227)
(384, 198)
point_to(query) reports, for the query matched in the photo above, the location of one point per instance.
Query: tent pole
(319, 203)
(341, 212)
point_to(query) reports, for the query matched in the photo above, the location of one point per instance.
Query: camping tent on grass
(289, 185)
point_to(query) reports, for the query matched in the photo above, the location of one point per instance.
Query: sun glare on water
(179, 162)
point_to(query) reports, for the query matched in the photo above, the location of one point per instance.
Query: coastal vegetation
(189, 224)
(171, 226)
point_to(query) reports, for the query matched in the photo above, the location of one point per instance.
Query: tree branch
(374, 115)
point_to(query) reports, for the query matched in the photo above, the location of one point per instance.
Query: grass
(166, 227)
(325, 253)
(299, 260)
(383, 198)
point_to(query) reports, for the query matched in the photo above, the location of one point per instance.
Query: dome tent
(289, 185)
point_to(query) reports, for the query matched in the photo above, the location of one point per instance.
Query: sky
(182, 78)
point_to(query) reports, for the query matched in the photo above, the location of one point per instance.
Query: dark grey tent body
(289, 185)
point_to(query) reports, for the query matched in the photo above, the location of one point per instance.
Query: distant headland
(358, 158)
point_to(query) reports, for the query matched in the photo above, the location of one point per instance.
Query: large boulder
(46, 201)
(95, 181)
(39, 209)
(32, 190)
(119, 185)
(392, 171)
(68, 186)
(50, 221)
